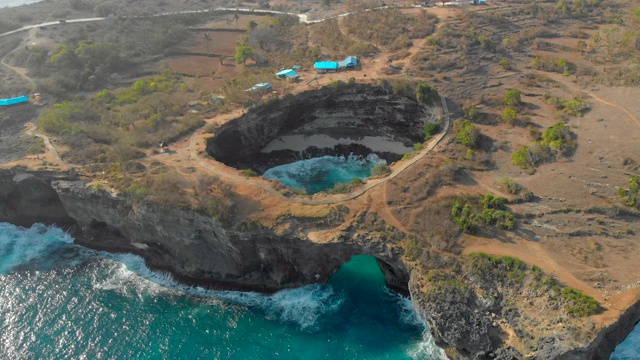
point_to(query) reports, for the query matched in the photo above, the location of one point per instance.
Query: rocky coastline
(198, 250)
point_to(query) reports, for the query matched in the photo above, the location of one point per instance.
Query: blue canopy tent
(14, 101)
(326, 66)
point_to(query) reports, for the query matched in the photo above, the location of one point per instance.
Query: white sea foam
(302, 306)
(20, 246)
(427, 348)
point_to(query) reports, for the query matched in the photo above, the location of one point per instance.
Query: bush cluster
(426, 94)
(558, 139)
(467, 134)
(631, 196)
(560, 66)
(574, 107)
(493, 212)
(430, 129)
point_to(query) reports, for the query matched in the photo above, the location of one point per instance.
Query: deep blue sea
(322, 173)
(62, 301)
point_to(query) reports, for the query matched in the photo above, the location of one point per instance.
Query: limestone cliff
(466, 319)
(353, 114)
(189, 244)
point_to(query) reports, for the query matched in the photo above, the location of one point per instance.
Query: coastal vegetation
(556, 140)
(471, 214)
(116, 126)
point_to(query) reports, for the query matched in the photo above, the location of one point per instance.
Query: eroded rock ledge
(198, 250)
(358, 119)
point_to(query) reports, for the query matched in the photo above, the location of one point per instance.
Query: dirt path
(30, 130)
(575, 88)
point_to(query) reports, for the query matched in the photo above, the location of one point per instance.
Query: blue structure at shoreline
(14, 101)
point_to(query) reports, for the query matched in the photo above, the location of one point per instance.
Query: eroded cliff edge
(189, 244)
(198, 250)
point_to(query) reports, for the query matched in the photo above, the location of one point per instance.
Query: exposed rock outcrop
(353, 112)
(198, 250)
(189, 244)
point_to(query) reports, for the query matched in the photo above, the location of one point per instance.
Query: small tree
(467, 134)
(513, 98)
(243, 52)
(426, 94)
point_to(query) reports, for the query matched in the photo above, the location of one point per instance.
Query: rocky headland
(472, 321)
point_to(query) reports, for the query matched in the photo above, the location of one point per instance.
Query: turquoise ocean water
(62, 301)
(322, 173)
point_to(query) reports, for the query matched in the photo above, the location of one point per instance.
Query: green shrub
(521, 158)
(509, 115)
(249, 172)
(631, 196)
(493, 213)
(499, 268)
(432, 40)
(136, 191)
(412, 249)
(469, 154)
(356, 181)
(575, 107)
(578, 303)
(60, 120)
(510, 186)
(426, 94)
(418, 146)
(506, 64)
(513, 97)
(467, 134)
(430, 129)
(471, 113)
(407, 156)
(380, 169)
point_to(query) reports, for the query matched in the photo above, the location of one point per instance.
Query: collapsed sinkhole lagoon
(323, 137)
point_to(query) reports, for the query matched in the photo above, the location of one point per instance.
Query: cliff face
(199, 251)
(191, 245)
(27, 198)
(352, 113)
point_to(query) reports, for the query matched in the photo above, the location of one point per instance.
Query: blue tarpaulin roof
(286, 72)
(326, 65)
(14, 101)
(259, 87)
(349, 61)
